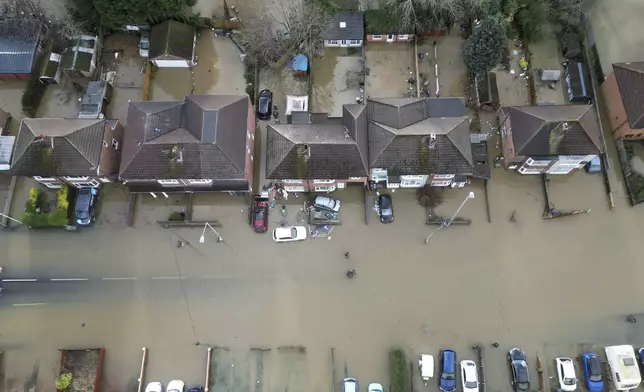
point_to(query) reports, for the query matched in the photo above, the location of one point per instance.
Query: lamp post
(449, 222)
(14, 219)
(202, 239)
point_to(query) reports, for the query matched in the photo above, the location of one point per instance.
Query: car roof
(350, 385)
(449, 358)
(567, 365)
(469, 367)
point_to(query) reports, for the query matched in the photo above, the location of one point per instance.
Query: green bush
(63, 381)
(398, 371)
(191, 3)
(56, 218)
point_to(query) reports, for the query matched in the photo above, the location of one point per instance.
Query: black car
(519, 370)
(264, 104)
(386, 209)
(84, 208)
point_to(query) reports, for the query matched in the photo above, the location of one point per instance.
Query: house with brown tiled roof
(315, 153)
(391, 142)
(552, 139)
(203, 143)
(79, 152)
(623, 93)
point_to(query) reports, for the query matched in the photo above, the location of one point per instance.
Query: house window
(294, 188)
(76, 179)
(89, 184)
(344, 42)
(376, 37)
(53, 186)
(443, 177)
(45, 178)
(527, 170)
(334, 42)
(168, 182)
(354, 42)
(105, 180)
(115, 144)
(403, 37)
(323, 181)
(199, 182)
(532, 162)
(411, 183)
(292, 181)
(441, 183)
(561, 169)
(324, 188)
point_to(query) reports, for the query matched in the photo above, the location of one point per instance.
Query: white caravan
(623, 367)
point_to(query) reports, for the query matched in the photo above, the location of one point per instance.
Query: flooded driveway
(453, 75)
(219, 71)
(390, 66)
(335, 79)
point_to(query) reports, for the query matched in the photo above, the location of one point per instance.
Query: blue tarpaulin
(300, 63)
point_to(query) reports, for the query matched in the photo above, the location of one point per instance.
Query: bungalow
(419, 141)
(346, 29)
(316, 153)
(79, 152)
(381, 26)
(203, 143)
(172, 45)
(622, 92)
(549, 139)
(19, 45)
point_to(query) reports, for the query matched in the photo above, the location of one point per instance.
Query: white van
(623, 367)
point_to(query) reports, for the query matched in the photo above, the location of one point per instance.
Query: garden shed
(172, 45)
(19, 42)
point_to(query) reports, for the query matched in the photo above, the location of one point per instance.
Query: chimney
(343, 25)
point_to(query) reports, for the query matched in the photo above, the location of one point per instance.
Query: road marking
(119, 278)
(218, 277)
(31, 304)
(167, 277)
(19, 280)
(69, 279)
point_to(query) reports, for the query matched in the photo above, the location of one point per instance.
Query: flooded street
(485, 283)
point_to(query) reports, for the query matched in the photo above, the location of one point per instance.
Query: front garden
(42, 210)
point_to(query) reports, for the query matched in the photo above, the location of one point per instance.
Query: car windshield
(447, 376)
(595, 377)
(569, 381)
(523, 386)
(259, 215)
(145, 45)
(263, 104)
(293, 232)
(470, 384)
(386, 212)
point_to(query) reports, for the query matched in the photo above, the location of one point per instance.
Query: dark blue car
(447, 380)
(592, 372)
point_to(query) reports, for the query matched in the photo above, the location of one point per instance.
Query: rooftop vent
(343, 25)
(432, 141)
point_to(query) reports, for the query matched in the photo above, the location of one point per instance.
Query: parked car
(265, 105)
(519, 370)
(176, 386)
(195, 388)
(326, 203)
(349, 385)
(469, 376)
(593, 371)
(84, 208)
(566, 374)
(289, 234)
(259, 216)
(144, 44)
(595, 165)
(447, 380)
(386, 207)
(640, 355)
(154, 386)
(375, 387)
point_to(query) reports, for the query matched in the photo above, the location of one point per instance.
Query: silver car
(326, 203)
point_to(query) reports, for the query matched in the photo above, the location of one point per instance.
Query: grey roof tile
(630, 80)
(77, 145)
(171, 40)
(211, 132)
(353, 30)
(18, 45)
(446, 107)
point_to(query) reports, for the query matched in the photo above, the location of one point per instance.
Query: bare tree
(51, 13)
(288, 27)
(423, 15)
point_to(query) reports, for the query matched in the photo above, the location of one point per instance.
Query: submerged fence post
(142, 372)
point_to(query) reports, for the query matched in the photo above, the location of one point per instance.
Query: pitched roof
(18, 45)
(630, 80)
(431, 146)
(345, 26)
(401, 131)
(172, 40)
(202, 137)
(555, 130)
(58, 147)
(321, 150)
